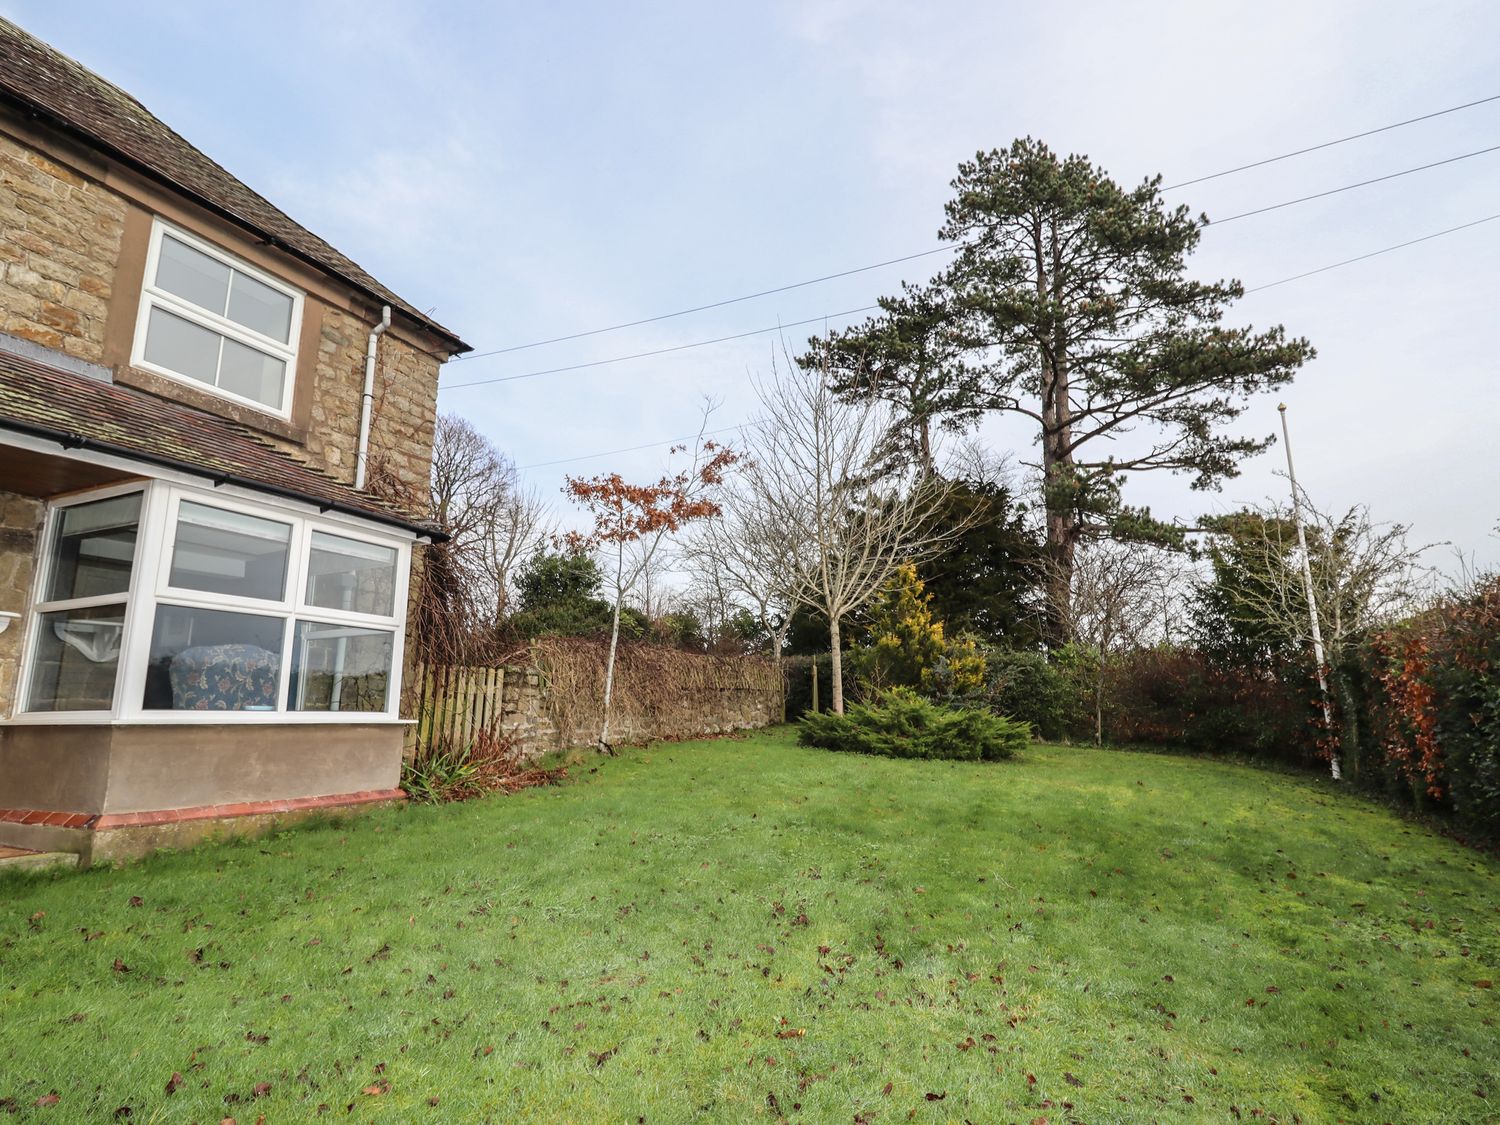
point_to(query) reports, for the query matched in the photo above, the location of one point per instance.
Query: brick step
(24, 859)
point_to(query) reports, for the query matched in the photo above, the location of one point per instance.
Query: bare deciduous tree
(745, 559)
(522, 526)
(818, 474)
(1122, 596)
(495, 523)
(466, 489)
(1364, 574)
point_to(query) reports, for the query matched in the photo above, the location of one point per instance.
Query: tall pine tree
(1070, 296)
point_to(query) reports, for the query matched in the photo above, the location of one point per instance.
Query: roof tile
(35, 396)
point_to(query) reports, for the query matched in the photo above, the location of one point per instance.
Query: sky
(528, 171)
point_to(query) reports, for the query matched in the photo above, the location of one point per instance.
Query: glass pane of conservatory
(348, 574)
(93, 547)
(75, 659)
(226, 552)
(213, 660)
(339, 668)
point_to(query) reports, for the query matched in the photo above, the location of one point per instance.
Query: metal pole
(1307, 586)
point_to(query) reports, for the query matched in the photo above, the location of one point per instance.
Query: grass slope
(1074, 936)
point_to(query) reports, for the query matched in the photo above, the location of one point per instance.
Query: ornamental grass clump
(901, 724)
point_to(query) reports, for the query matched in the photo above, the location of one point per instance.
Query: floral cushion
(224, 678)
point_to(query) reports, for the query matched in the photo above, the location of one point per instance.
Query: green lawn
(749, 930)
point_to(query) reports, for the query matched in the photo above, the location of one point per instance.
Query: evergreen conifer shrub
(904, 725)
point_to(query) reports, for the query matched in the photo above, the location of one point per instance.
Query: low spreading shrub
(904, 725)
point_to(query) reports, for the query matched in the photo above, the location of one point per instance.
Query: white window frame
(152, 297)
(40, 604)
(149, 588)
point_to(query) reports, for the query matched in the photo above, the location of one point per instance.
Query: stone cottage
(203, 598)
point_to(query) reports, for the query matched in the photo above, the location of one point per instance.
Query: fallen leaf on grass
(792, 1033)
(930, 1096)
(381, 1087)
(602, 1057)
(174, 1082)
(47, 1099)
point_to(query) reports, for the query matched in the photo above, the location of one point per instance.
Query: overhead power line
(1252, 289)
(716, 304)
(631, 448)
(662, 351)
(871, 308)
(1373, 254)
(1329, 144)
(952, 246)
(1351, 187)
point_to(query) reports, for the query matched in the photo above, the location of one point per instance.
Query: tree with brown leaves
(631, 521)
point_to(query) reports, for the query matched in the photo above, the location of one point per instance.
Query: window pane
(260, 308)
(251, 374)
(339, 668)
(182, 346)
(93, 546)
(75, 660)
(192, 275)
(347, 574)
(229, 553)
(212, 660)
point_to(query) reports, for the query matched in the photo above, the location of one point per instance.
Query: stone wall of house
(20, 523)
(404, 412)
(59, 240)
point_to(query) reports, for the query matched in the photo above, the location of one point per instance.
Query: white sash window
(212, 321)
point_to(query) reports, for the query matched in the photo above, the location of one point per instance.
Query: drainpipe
(362, 457)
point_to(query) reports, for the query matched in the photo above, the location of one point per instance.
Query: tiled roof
(70, 94)
(82, 411)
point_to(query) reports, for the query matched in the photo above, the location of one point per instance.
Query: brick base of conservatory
(103, 822)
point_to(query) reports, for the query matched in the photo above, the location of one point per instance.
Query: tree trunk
(1099, 704)
(609, 667)
(837, 663)
(1061, 550)
(1058, 483)
(1347, 753)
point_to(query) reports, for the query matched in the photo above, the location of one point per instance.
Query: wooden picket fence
(454, 705)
